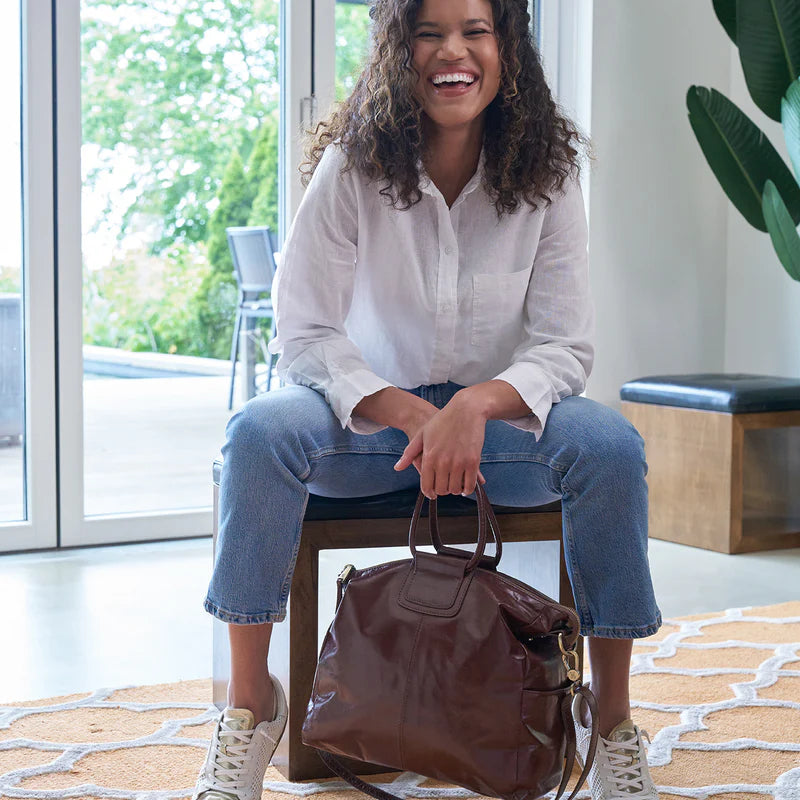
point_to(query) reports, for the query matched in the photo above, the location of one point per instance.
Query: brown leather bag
(443, 666)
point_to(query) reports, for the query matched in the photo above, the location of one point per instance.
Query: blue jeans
(286, 443)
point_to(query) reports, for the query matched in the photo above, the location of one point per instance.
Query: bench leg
(293, 658)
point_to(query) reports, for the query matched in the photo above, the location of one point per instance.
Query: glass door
(27, 386)
(176, 119)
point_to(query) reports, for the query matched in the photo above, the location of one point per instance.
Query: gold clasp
(567, 656)
(344, 575)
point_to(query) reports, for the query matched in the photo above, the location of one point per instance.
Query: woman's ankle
(260, 700)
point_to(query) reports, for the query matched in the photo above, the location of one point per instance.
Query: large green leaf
(782, 230)
(790, 117)
(726, 14)
(739, 154)
(768, 35)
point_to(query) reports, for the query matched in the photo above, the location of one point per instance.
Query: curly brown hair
(527, 142)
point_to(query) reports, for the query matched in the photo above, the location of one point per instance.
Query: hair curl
(527, 142)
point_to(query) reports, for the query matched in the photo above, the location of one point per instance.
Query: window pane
(352, 41)
(180, 141)
(12, 453)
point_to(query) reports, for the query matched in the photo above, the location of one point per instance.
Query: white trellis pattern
(19, 779)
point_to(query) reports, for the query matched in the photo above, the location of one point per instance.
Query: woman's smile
(454, 84)
(456, 56)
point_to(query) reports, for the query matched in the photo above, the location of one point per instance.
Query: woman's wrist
(394, 407)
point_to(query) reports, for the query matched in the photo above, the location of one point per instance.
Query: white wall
(762, 331)
(658, 224)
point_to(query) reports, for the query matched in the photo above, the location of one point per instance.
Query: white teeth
(454, 77)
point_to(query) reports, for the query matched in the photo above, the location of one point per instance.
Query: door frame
(39, 528)
(75, 528)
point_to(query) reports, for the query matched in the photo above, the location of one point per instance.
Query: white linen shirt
(367, 296)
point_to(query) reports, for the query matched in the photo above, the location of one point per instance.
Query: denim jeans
(287, 443)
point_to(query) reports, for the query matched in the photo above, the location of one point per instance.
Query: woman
(432, 306)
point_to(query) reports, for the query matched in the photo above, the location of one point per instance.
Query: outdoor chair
(252, 251)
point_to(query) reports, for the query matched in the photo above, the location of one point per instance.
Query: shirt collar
(427, 186)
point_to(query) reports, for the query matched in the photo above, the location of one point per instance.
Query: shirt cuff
(533, 386)
(346, 393)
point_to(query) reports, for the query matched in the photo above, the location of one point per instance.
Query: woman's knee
(270, 419)
(601, 434)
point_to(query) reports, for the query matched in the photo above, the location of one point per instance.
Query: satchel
(443, 666)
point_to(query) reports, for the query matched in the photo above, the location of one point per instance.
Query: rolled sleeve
(312, 292)
(348, 391)
(555, 358)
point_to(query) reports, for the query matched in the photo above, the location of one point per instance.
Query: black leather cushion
(397, 504)
(733, 393)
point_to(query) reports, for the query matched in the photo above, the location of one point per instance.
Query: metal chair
(252, 251)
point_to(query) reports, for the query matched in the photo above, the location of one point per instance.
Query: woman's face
(455, 38)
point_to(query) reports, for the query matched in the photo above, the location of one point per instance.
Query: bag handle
(336, 766)
(486, 518)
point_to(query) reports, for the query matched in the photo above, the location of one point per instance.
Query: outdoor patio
(149, 445)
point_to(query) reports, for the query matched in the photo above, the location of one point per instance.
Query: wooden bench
(723, 453)
(376, 521)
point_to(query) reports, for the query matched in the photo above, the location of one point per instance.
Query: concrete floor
(80, 619)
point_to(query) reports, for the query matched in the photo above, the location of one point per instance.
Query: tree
(262, 176)
(176, 98)
(171, 89)
(235, 199)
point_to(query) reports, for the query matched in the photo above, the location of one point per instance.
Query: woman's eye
(425, 35)
(469, 33)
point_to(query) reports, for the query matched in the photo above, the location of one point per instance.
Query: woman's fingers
(470, 479)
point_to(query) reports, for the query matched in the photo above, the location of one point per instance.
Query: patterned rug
(718, 693)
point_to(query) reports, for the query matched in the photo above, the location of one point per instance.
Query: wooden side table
(723, 453)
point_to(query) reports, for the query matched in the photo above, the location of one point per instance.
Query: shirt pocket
(498, 303)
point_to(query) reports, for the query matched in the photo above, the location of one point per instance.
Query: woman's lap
(337, 466)
(289, 442)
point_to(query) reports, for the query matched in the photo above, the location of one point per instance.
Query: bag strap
(336, 766)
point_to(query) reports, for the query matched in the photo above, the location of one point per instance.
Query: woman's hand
(445, 446)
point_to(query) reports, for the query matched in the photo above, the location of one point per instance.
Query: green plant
(747, 166)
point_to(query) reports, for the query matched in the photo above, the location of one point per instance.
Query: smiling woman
(433, 309)
(455, 43)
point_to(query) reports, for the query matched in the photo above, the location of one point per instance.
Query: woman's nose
(452, 47)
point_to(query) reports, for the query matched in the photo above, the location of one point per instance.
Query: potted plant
(747, 166)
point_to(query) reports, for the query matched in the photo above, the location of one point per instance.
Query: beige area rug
(718, 693)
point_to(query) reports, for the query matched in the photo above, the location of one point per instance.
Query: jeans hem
(243, 619)
(617, 632)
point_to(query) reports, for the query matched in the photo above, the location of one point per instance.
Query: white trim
(565, 44)
(70, 274)
(39, 530)
(296, 76)
(76, 529)
(324, 56)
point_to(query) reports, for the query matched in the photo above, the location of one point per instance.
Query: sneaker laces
(627, 769)
(229, 753)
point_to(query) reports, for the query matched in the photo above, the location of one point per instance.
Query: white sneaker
(240, 753)
(620, 770)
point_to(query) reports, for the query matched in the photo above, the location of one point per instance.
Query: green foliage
(172, 89)
(177, 98)
(215, 311)
(352, 34)
(747, 166)
(10, 280)
(148, 307)
(262, 177)
(233, 210)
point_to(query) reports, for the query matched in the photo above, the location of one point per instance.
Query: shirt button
(447, 307)
(448, 250)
